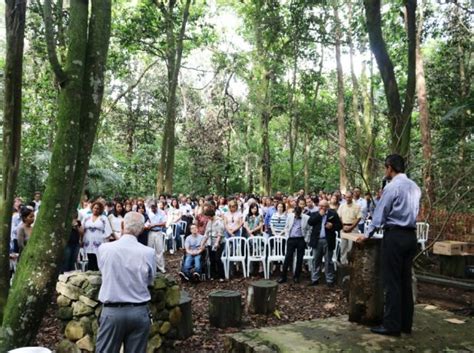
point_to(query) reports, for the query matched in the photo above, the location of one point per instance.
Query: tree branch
(51, 44)
(132, 86)
(410, 20)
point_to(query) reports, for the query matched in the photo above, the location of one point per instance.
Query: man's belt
(122, 304)
(390, 228)
(347, 224)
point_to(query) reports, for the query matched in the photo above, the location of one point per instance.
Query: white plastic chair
(257, 252)
(235, 251)
(82, 260)
(276, 250)
(337, 250)
(183, 225)
(422, 230)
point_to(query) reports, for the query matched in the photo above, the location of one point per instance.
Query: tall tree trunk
(306, 162)
(424, 117)
(355, 87)
(400, 118)
(343, 180)
(15, 11)
(463, 85)
(174, 55)
(79, 108)
(293, 126)
(266, 162)
(367, 124)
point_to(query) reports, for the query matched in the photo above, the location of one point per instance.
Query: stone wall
(79, 309)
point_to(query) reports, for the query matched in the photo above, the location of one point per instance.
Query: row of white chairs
(261, 249)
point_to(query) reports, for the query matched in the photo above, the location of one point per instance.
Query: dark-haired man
(396, 212)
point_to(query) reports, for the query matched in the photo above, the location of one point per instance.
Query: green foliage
(222, 93)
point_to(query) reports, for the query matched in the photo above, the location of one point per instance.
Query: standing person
(156, 226)
(116, 219)
(253, 221)
(334, 202)
(296, 230)
(233, 221)
(96, 229)
(396, 212)
(325, 223)
(25, 228)
(127, 268)
(364, 209)
(73, 244)
(278, 220)
(172, 223)
(37, 200)
(201, 218)
(214, 238)
(350, 215)
(270, 210)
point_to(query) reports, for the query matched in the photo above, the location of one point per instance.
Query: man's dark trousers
(294, 244)
(398, 251)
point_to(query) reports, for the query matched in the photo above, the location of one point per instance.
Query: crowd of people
(204, 223)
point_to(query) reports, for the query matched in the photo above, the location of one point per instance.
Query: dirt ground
(295, 302)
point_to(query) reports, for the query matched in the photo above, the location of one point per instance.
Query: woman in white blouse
(116, 219)
(97, 230)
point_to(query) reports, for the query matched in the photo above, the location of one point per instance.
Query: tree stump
(225, 308)
(185, 327)
(366, 298)
(262, 297)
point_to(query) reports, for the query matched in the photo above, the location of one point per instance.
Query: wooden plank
(350, 236)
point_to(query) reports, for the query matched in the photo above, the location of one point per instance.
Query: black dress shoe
(313, 284)
(380, 330)
(282, 280)
(296, 280)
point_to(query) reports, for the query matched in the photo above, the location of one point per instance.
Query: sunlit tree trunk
(343, 180)
(15, 11)
(174, 53)
(424, 117)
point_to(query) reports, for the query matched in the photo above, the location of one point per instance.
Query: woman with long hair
(116, 219)
(96, 229)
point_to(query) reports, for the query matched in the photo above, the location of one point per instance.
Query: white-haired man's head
(133, 223)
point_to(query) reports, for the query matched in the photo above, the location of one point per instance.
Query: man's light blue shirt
(127, 268)
(399, 204)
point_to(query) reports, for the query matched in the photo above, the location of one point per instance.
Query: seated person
(194, 246)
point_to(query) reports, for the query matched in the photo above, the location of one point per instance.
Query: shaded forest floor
(295, 302)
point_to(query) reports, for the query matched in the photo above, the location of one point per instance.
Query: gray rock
(75, 330)
(81, 309)
(86, 343)
(63, 301)
(68, 290)
(78, 279)
(65, 313)
(88, 301)
(66, 346)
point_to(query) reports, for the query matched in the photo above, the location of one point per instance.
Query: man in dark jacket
(325, 224)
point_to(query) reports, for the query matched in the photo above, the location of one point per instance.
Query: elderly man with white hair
(127, 268)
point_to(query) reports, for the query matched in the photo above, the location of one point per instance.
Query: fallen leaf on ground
(430, 307)
(455, 321)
